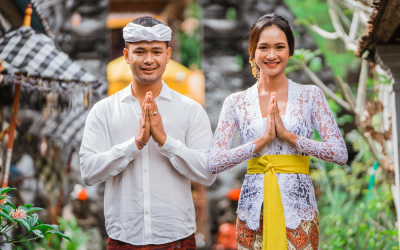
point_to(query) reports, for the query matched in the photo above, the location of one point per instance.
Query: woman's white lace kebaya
(306, 109)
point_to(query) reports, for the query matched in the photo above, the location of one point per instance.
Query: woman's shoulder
(240, 96)
(308, 89)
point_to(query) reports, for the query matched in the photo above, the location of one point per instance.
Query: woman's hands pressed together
(150, 124)
(275, 127)
(281, 131)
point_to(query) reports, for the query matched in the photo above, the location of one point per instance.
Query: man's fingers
(148, 97)
(145, 112)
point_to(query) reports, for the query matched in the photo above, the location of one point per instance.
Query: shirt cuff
(130, 149)
(170, 147)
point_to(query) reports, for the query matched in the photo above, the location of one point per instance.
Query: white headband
(135, 33)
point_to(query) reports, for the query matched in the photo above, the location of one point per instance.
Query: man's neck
(139, 89)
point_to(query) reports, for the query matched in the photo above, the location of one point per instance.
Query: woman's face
(272, 51)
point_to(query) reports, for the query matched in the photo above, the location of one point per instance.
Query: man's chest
(124, 123)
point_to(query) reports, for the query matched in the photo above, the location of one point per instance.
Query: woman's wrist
(290, 137)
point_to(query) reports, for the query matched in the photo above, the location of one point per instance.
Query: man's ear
(169, 51)
(126, 55)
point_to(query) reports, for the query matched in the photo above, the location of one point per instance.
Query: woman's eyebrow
(275, 43)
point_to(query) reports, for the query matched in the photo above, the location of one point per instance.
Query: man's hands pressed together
(156, 125)
(143, 135)
(150, 123)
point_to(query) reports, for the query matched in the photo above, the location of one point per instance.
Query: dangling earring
(254, 68)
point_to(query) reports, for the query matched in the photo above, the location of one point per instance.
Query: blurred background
(349, 48)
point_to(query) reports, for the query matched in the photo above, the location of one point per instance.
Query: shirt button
(147, 212)
(145, 152)
(145, 192)
(145, 170)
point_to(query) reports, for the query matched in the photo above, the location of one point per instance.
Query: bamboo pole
(11, 131)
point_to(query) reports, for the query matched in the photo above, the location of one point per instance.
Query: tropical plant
(71, 228)
(190, 37)
(356, 203)
(25, 216)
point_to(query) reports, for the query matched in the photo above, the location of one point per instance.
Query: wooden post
(11, 131)
(389, 56)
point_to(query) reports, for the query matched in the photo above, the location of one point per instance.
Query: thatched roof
(383, 26)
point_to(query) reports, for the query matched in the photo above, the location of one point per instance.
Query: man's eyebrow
(155, 48)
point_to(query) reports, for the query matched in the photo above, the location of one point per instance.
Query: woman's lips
(272, 65)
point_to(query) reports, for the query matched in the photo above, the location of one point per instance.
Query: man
(147, 142)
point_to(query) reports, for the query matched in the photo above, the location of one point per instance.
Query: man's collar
(165, 92)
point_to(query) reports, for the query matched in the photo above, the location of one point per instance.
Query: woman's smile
(271, 64)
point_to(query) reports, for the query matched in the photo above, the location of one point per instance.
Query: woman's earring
(254, 68)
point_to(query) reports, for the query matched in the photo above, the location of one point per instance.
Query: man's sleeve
(98, 162)
(191, 159)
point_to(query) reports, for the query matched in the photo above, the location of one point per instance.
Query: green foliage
(189, 37)
(351, 217)
(78, 238)
(230, 14)
(317, 12)
(302, 56)
(23, 216)
(239, 60)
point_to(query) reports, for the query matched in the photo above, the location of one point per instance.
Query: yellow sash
(274, 229)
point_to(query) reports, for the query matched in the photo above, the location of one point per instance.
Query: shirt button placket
(146, 196)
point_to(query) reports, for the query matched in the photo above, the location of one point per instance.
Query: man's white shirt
(147, 196)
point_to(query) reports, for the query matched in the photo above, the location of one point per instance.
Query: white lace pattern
(306, 109)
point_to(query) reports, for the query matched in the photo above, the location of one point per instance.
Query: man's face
(147, 60)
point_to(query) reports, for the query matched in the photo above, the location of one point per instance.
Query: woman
(276, 118)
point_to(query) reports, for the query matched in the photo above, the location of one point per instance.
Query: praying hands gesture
(275, 127)
(150, 124)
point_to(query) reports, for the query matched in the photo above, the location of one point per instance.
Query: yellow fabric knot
(274, 229)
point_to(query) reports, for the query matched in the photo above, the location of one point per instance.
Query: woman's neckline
(287, 103)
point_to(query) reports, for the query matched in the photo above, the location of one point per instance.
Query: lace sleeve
(221, 156)
(332, 148)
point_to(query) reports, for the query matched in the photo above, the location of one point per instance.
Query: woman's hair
(266, 21)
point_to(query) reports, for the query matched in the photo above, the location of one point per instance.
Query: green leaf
(32, 221)
(8, 217)
(7, 208)
(33, 209)
(316, 64)
(334, 106)
(230, 14)
(40, 222)
(38, 233)
(376, 122)
(27, 205)
(46, 226)
(4, 197)
(5, 190)
(11, 205)
(56, 232)
(25, 223)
